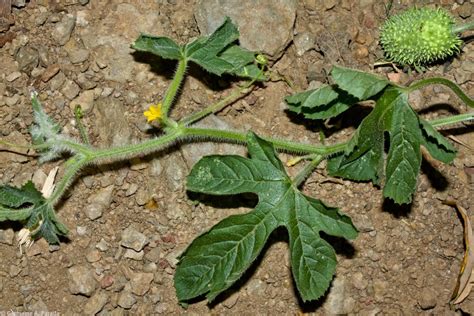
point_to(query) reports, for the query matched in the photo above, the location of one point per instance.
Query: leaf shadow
(166, 69)
(437, 180)
(351, 118)
(437, 107)
(160, 66)
(397, 210)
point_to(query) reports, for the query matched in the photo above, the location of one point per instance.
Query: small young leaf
(45, 131)
(219, 257)
(358, 83)
(322, 103)
(438, 146)
(158, 45)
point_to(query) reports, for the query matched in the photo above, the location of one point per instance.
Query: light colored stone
(70, 89)
(62, 30)
(110, 39)
(81, 280)
(85, 100)
(113, 128)
(133, 239)
(134, 255)
(13, 76)
(264, 25)
(96, 303)
(140, 283)
(6, 236)
(126, 300)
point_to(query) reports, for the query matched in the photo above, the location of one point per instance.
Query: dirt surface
(404, 262)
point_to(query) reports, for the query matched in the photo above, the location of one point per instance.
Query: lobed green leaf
(358, 83)
(219, 257)
(363, 158)
(322, 103)
(158, 45)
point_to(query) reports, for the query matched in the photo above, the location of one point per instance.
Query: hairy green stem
(448, 83)
(307, 170)
(463, 27)
(74, 165)
(452, 119)
(279, 144)
(172, 91)
(87, 155)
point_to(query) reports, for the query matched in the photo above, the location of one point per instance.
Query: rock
(133, 239)
(363, 223)
(142, 197)
(99, 202)
(153, 255)
(6, 236)
(81, 230)
(110, 39)
(13, 76)
(96, 303)
(303, 43)
(27, 59)
(264, 25)
(18, 3)
(70, 89)
(15, 137)
(126, 300)
(78, 56)
(428, 299)
(62, 30)
(140, 283)
(11, 101)
(85, 100)
(86, 81)
(231, 300)
(76, 52)
(131, 189)
(93, 256)
(338, 302)
(175, 170)
(113, 128)
(134, 255)
(359, 281)
(14, 271)
(94, 211)
(256, 287)
(81, 280)
(106, 281)
(38, 306)
(57, 81)
(102, 245)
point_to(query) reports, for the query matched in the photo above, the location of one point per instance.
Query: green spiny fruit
(419, 36)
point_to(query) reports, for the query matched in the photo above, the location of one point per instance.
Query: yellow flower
(153, 113)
